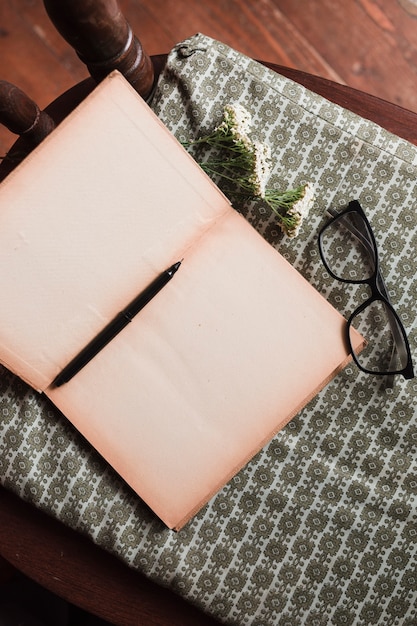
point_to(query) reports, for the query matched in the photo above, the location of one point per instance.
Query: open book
(219, 360)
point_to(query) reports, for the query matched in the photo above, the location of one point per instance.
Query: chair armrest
(71, 566)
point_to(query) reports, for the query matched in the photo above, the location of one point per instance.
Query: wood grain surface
(367, 44)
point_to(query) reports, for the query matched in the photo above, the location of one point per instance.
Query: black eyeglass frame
(376, 284)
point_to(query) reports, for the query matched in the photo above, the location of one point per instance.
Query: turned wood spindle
(103, 40)
(22, 116)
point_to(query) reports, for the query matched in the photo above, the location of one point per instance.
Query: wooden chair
(104, 41)
(42, 548)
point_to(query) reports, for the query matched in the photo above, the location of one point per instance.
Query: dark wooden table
(74, 568)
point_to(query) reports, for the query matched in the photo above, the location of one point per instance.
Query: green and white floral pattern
(320, 528)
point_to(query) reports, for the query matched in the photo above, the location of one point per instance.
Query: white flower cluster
(261, 168)
(236, 119)
(300, 209)
(236, 123)
(245, 164)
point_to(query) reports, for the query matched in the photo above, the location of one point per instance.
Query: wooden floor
(367, 44)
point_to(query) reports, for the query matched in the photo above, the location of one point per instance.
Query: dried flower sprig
(245, 169)
(237, 158)
(243, 166)
(232, 131)
(291, 206)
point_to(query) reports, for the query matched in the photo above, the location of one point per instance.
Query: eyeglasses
(348, 250)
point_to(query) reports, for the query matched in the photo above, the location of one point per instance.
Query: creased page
(227, 353)
(104, 204)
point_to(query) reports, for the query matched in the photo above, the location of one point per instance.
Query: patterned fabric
(320, 528)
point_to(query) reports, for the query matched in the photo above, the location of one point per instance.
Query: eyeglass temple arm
(367, 244)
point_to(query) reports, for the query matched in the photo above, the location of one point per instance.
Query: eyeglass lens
(348, 251)
(385, 350)
(348, 248)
